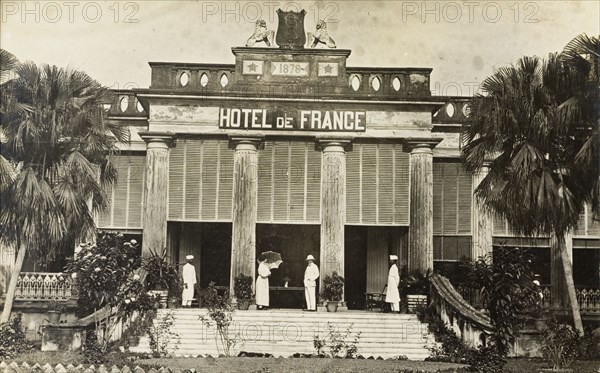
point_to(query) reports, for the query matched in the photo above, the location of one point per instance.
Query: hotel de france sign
(295, 120)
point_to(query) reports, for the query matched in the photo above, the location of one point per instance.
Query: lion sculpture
(261, 34)
(320, 36)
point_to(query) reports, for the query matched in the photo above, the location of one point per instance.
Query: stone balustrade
(470, 325)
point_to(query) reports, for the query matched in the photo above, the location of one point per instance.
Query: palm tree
(535, 123)
(582, 56)
(56, 144)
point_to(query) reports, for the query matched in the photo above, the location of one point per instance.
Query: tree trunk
(568, 271)
(12, 286)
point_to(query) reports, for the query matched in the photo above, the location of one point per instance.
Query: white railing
(43, 286)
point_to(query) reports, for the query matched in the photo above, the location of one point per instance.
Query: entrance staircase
(288, 332)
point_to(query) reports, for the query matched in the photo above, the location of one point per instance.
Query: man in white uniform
(393, 295)
(189, 280)
(311, 274)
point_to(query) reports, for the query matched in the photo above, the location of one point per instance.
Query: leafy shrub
(415, 282)
(484, 359)
(12, 338)
(92, 351)
(487, 359)
(506, 284)
(560, 344)
(335, 344)
(161, 335)
(590, 345)
(333, 287)
(243, 287)
(105, 278)
(220, 315)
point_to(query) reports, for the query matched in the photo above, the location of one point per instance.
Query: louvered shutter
(313, 184)
(369, 183)
(225, 190)
(289, 182)
(402, 186)
(176, 180)
(386, 198)
(124, 209)
(353, 186)
(377, 184)
(193, 175)
(210, 177)
(438, 200)
(200, 180)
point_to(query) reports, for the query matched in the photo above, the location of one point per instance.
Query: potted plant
(332, 291)
(175, 291)
(55, 309)
(286, 281)
(416, 287)
(243, 291)
(161, 275)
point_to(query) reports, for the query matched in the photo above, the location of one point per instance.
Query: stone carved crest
(320, 36)
(290, 32)
(261, 34)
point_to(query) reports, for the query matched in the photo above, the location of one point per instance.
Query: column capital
(421, 144)
(252, 141)
(333, 143)
(153, 137)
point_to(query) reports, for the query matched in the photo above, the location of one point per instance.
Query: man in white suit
(393, 295)
(189, 280)
(311, 274)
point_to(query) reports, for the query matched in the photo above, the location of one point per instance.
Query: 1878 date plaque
(286, 68)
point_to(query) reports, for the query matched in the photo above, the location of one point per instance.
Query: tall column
(156, 191)
(333, 206)
(483, 221)
(244, 211)
(420, 254)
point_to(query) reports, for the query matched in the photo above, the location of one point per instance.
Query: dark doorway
(294, 243)
(355, 266)
(216, 254)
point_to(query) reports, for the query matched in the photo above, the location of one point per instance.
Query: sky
(463, 41)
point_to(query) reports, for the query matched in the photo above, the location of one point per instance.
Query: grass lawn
(525, 365)
(267, 365)
(253, 364)
(245, 364)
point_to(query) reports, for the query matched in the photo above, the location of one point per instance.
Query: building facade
(294, 151)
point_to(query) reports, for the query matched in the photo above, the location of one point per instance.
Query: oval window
(450, 110)
(184, 79)
(376, 84)
(355, 83)
(124, 103)
(204, 80)
(224, 80)
(396, 84)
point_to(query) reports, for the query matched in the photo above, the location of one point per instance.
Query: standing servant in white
(393, 295)
(189, 280)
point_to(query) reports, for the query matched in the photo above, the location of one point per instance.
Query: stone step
(287, 332)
